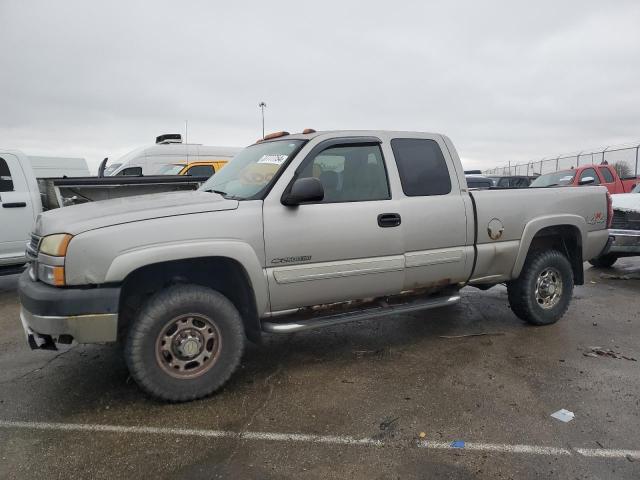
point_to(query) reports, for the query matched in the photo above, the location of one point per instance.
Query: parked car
(168, 151)
(604, 175)
(625, 229)
(23, 195)
(476, 181)
(512, 181)
(198, 169)
(297, 232)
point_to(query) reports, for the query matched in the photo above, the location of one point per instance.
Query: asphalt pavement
(407, 396)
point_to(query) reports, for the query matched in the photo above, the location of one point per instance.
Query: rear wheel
(185, 343)
(542, 293)
(604, 261)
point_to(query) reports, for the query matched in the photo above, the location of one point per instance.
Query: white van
(167, 151)
(56, 167)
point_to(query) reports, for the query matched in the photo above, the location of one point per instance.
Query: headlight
(55, 245)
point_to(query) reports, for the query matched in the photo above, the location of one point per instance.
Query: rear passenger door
(438, 250)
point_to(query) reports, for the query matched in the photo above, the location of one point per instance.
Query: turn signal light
(609, 211)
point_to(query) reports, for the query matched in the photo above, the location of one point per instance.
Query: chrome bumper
(624, 241)
(43, 332)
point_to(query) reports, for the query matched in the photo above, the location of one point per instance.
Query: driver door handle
(14, 205)
(386, 220)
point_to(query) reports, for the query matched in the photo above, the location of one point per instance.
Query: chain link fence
(624, 158)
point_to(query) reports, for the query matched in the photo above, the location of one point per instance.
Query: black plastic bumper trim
(41, 299)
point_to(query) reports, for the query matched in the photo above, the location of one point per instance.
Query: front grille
(33, 246)
(625, 220)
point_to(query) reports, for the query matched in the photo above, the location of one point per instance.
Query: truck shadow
(93, 378)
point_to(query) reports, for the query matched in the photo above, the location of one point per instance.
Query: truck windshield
(553, 179)
(251, 171)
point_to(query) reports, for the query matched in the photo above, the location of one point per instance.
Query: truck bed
(515, 209)
(62, 192)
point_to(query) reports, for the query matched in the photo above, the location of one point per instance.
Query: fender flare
(537, 224)
(241, 252)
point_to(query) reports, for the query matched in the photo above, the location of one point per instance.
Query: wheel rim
(548, 288)
(188, 346)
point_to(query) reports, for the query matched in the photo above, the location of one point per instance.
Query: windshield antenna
(262, 106)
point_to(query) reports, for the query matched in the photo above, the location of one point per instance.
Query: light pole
(262, 106)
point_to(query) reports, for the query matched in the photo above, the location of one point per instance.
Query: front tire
(604, 261)
(185, 343)
(542, 293)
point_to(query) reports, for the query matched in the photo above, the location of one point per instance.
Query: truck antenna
(186, 138)
(262, 106)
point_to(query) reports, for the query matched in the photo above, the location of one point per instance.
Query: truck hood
(90, 216)
(627, 202)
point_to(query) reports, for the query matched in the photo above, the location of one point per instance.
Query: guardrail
(624, 158)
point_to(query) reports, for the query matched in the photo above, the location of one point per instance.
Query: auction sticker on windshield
(273, 159)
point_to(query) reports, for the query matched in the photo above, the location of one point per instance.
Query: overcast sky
(507, 81)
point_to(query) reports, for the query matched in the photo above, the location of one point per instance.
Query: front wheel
(604, 261)
(185, 343)
(542, 293)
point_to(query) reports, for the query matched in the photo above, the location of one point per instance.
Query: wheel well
(568, 240)
(222, 274)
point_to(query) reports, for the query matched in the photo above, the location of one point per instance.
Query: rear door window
(590, 172)
(6, 182)
(422, 167)
(606, 174)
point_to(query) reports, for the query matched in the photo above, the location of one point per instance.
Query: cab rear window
(422, 167)
(606, 174)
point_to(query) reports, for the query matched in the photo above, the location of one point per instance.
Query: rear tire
(604, 261)
(185, 343)
(542, 293)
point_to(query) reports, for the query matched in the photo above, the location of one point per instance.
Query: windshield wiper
(225, 194)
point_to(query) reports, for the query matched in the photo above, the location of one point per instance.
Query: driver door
(337, 249)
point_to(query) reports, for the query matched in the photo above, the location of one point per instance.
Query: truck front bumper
(624, 242)
(51, 315)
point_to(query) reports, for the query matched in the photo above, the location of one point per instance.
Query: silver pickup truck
(298, 232)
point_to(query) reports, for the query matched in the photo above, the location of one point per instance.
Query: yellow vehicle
(201, 168)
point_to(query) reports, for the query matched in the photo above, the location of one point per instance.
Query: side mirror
(586, 181)
(102, 167)
(304, 190)
(132, 172)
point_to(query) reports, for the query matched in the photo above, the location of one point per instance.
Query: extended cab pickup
(298, 232)
(604, 175)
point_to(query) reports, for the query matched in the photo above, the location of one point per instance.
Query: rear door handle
(386, 220)
(14, 205)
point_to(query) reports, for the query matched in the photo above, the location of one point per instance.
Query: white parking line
(326, 439)
(497, 447)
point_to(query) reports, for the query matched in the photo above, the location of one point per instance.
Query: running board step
(365, 314)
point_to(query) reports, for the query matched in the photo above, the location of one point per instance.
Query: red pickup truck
(604, 175)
